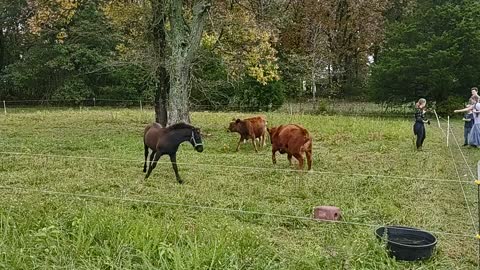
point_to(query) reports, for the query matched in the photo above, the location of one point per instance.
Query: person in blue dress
(474, 135)
(468, 120)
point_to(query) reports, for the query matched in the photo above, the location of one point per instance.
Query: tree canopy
(251, 53)
(431, 53)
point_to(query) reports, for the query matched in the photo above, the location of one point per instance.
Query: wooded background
(249, 53)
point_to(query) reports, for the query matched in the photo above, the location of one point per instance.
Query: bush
(447, 106)
(253, 96)
(321, 106)
(73, 89)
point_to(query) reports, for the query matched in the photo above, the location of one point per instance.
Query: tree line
(249, 53)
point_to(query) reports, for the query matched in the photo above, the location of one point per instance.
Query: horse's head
(196, 140)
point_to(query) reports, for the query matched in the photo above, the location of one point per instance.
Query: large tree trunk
(159, 44)
(161, 103)
(179, 92)
(185, 43)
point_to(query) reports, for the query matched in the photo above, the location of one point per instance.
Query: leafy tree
(237, 52)
(247, 93)
(432, 53)
(70, 51)
(335, 39)
(174, 31)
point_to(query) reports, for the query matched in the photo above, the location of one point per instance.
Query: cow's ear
(237, 121)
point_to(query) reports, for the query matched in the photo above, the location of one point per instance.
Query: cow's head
(234, 125)
(271, 132)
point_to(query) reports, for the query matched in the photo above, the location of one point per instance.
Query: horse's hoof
(180, 182)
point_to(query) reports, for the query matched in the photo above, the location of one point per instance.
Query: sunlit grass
(40, 230)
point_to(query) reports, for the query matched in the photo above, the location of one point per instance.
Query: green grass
(58, 231)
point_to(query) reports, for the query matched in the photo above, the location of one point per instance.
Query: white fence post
(141, 107)
(436, 115)
(448, 128)
(4, 107)
(478, 173)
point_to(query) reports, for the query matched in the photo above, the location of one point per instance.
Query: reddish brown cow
(293, 140)
(249, 128)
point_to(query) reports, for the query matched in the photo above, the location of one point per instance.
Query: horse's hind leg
(152, 155)
(173, 159)
(146, 157)
(153, 164)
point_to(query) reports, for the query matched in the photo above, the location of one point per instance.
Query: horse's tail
(147, 128)
(146, 157)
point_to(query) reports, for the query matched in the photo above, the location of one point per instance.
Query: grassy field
(119, 221)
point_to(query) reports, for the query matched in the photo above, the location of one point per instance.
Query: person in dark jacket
(420, 120)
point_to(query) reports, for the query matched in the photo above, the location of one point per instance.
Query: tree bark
(161, 100)
(185, 43)
(160, 44)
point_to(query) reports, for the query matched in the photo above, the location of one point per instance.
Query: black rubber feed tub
(408, 244)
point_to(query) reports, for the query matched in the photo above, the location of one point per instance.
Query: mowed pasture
(74, 195)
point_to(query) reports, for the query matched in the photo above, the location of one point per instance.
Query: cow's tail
(307, 146)
(307, 149)
(266, 135)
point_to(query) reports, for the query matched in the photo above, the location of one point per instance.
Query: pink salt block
(326, 213)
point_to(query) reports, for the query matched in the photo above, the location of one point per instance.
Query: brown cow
(249, 128)
(293, 140)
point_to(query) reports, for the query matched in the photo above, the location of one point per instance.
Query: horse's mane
(180, 126)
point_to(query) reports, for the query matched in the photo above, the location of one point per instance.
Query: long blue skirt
(474, 135)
